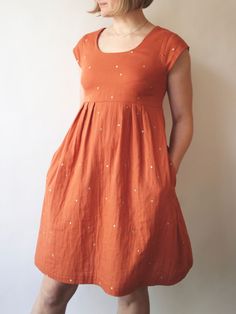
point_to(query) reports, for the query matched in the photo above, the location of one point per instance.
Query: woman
(111, 216)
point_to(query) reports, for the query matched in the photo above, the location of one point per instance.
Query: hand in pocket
(173, 171)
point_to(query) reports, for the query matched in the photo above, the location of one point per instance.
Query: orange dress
(110, 215)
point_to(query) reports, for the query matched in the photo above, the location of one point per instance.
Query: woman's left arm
(180, 94)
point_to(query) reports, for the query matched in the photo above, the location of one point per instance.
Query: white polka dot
(107, 165)
(131, 51)
(52, 255)
(116, 66)
(98, 112)
(98, 87)
(151, 200)
(135, 189)
(89, 66)
(111, 288)
(114, 225)
(71, 280)
(173, 49)
(142, 131)
(70, 222)
(121, 74)
(76, 200)
(118, 124)
(112, 96)
(151, 166)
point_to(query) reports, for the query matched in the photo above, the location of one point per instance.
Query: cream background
(39, 97)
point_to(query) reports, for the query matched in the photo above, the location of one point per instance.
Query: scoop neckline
(127, 51)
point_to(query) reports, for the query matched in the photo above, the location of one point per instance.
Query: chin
(106, 14)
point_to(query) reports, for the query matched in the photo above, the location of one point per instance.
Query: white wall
(39, 97)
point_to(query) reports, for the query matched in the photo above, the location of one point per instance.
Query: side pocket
(172, 170)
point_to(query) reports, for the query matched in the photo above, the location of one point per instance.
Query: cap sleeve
(77, 50)
(174, 47)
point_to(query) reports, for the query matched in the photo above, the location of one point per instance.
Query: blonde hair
(124, 6)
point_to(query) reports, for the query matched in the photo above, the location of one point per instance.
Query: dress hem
(84, 279)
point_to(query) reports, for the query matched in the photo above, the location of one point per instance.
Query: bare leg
(136, 302)
(53, 297)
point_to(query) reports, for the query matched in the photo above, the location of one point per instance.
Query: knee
(54, 293)
(137, 295)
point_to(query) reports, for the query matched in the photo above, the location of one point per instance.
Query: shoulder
(83, 42)
(172, 46)
(168, 35)
(86, 37)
